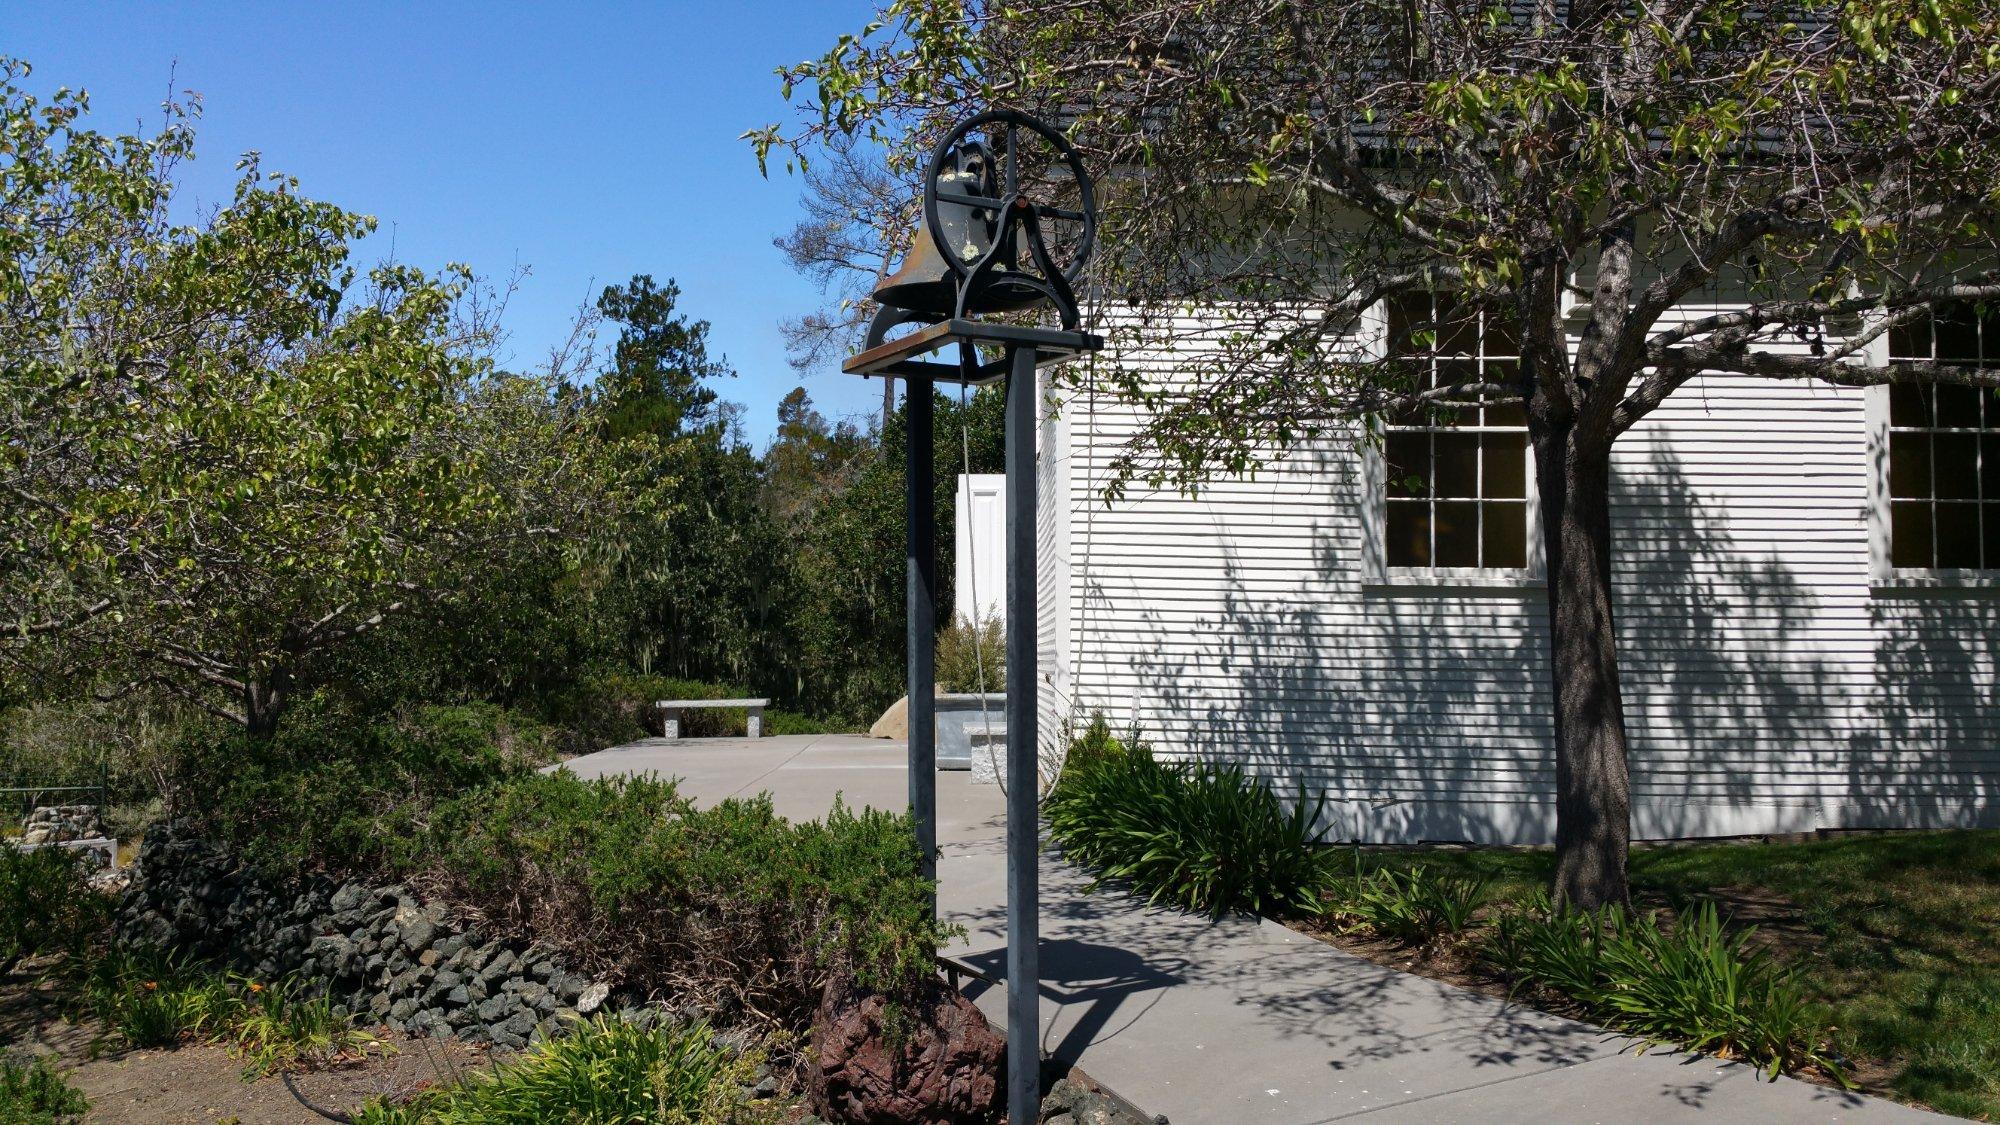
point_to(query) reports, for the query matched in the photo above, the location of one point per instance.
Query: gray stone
(493, 1008)
(403, 1009)
(477, 956)
(418, 933)
(592, 997)
(348, 898)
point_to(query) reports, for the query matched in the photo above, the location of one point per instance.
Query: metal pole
(920, 578)
(1024, 1018)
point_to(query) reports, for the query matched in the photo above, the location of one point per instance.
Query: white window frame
(1882, 574)
(1373, 330)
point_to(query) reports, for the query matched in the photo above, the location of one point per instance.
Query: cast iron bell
(928, 286)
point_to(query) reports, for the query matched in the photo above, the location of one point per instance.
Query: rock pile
(380, 951)
(57, 824)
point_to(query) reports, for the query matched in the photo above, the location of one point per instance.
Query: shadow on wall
(1734, 714)
(1421, 717)
(1932, 756)
(1766, 690)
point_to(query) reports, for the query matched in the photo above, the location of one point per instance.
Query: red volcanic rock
(946, 1065)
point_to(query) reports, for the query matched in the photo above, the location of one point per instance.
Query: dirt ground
(201, 1083)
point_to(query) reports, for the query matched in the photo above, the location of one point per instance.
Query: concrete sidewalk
(1242, 1020)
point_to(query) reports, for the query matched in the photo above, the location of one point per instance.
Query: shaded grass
(1899, 934)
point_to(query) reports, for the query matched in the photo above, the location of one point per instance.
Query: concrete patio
(1241, 1020)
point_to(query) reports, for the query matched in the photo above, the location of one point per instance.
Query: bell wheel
(1006, 190)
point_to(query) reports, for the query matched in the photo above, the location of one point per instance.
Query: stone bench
(670, 713)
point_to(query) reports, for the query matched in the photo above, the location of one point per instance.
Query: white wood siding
(1768, 686)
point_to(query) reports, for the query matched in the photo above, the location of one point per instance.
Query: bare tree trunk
(1593, 788)
(263, 700)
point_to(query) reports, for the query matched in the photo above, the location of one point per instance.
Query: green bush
(1415, 905)
(734, 904)
(606, 1071)
(127, 745)
(147, 998)
(964, 650)
(334, 794)
(1697, 984)
(1196, 835)
(36, 1093)
(778, 721)
(45, 905)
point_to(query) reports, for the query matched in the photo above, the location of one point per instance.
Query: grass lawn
(1899, 934)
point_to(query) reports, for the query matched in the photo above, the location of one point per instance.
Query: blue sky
(587, 142)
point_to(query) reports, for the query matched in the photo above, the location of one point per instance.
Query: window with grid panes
(1456, 482)
(1944, 447)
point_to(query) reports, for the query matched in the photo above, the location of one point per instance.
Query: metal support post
(920, 574)
(1024, 1020)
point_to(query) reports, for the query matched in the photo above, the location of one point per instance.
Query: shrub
(1199, 836)
(280, 1028)
(778, 721)
(607, 1070)
(1541, 947)
(152, 999)
(35, 1093)
(1697, 984)
(128, 745)
(1414, 905)
(964, 650)
(334, 794)
(45, 904)
(732, 904)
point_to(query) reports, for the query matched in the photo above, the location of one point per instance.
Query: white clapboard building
(1808, 583)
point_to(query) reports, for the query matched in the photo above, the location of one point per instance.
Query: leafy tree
(222, 457)
(698, 591)
(846, 626)
(807, 457)
(660, 367)
(1576, 170)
